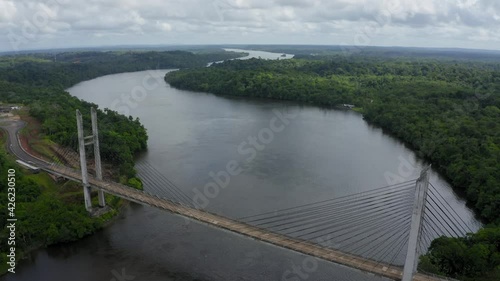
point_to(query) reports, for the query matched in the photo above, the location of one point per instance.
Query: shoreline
(109, 217)
(459, 191)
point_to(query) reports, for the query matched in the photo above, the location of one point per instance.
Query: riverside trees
(447, 110)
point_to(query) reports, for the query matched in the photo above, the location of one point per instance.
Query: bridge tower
(422, 187)
(84, 141)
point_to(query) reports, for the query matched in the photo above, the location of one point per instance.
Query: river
(317, 154)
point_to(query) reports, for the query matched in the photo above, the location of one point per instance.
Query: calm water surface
(319, 154)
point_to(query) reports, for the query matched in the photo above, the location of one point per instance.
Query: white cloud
(8, 11)
(164, 26)
(466, 23)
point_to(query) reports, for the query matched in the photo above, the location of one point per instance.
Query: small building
(351, 106)
(8, 108)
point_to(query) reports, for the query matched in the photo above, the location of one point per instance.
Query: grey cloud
(233, 21)
(296, 3)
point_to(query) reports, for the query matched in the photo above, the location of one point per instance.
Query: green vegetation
(475, 257)
(40, 86)
(9, 61)
(448, 111)
(121, 137)
(325, 52)
(47, 212)
(75, 67)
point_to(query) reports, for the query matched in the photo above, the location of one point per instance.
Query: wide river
(316, 154)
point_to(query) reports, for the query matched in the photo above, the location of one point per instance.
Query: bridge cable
(308, 240)
(354, 224)
(328, 200)
(330, 207)
(357, 216)
(401, 239)
(442, 228)
(166, 181)
(302, 242)
(403, 235)
(426, 240)
(343, 199)
(276, 214)
(402, 243)
(304, 236)
(397, 228)
(426, 235)
(187, 210)
(455, 223)
(346, 243)
(431, 230)
(433, 226)
(364, 254)
(338, 227)
(454, 229)
(155, 182)
(388, 229)
(314, 203)
(332, 213)
(360, 243)
(433, 190)
(160, 183)
(431, 218)
(365, 226)
(147, 182)
(150, 182)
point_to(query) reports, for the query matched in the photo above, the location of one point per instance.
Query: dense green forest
(475, 257)
(48, 213)
(67, 69)
(322, 52)
(39, 84)
(448, 111)
(44, 215)
(121, 136)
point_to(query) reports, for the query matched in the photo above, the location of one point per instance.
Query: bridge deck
(305, 247)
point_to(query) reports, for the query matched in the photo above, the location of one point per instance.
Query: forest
(40, 84)
(50, 213)
(447, 110)
(45, 215)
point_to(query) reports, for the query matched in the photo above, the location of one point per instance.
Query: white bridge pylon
(411, 261)
(82, 142)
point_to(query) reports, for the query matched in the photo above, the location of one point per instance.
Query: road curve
(12, 127)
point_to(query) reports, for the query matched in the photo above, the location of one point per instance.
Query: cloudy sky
(28, 24)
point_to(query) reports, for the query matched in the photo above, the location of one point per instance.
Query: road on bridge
(12, 127)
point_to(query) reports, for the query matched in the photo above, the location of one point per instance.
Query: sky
(28, 24)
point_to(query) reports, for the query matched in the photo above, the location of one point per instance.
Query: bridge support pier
(94, 140)
(411, 261)
(83, 162)
(97, 156)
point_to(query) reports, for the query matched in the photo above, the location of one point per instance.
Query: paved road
(12, 127)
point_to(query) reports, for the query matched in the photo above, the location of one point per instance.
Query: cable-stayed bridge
(381, 231)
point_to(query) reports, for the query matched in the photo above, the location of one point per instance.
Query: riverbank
(439, 119)
(55, 213)
(49, 210)
(441, 115)
(44, 205)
